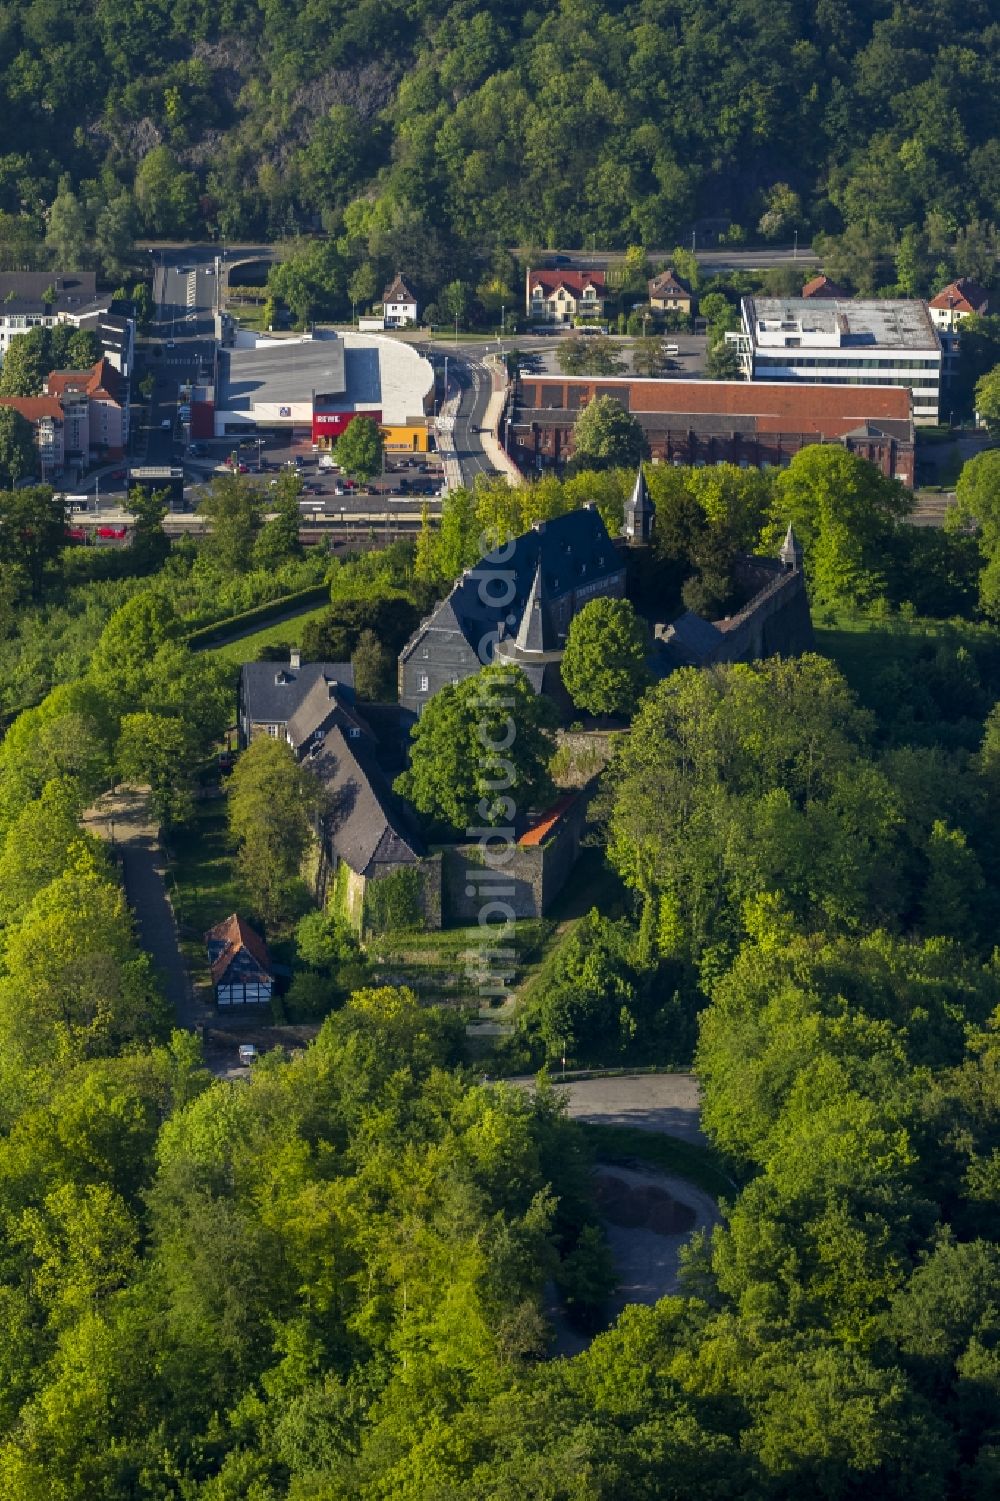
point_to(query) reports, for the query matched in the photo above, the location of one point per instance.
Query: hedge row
(234, 625)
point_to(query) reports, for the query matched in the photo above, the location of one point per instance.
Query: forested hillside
(427, 125)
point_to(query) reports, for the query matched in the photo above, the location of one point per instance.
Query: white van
(673, 349)
(327, 461)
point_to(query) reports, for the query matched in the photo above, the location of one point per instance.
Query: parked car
(673, 349)
(76, 534)
(119, 474)
(247, 1054)
(166, 425)
(112, 533)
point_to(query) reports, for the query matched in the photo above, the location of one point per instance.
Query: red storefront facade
(328, 425)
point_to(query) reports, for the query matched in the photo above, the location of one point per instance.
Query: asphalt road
(714, 261)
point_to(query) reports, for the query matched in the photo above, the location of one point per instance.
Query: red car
(76, 534)
(112, 533)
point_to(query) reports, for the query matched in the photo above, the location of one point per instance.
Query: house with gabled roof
(667, 293)
(242, 974)
(365, 830)
(822, 286)
(399, 304)
(515, 605)
(561, 296)
(271, 693)
(959, 299)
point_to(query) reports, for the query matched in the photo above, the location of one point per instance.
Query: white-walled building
(835, 342)
(399, 306)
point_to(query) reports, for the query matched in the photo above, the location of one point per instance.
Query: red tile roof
(830, 411)
(101, 380)
(543, 825)
(573, 281)
(34, 407)
(822, 286)
(236, 935)
(962, 296)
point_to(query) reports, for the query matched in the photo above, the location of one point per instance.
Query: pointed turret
(791, 551)
(532, 633)
(640, 513)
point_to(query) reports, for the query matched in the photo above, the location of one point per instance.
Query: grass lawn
(863, 646)
(445, 965)
(628, 1145)
(282, 632)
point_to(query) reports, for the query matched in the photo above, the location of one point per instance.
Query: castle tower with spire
(791, 551)
(640, 514)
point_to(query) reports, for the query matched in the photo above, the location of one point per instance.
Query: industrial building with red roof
(755, 424)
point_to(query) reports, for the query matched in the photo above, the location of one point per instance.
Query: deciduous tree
(480, 752)
(603, 666)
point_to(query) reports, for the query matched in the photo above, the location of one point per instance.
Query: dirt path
(123, 819)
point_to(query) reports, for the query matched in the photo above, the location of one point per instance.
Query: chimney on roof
(295, 659)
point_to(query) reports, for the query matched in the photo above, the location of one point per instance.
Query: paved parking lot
(542, 357)
(669, 1103)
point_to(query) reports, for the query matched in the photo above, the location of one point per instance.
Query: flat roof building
(319, 383)
(834, 341)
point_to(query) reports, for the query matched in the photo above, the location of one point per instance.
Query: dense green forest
(417, 132)
(333, 1281)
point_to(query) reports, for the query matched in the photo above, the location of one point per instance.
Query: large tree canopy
(480, 752)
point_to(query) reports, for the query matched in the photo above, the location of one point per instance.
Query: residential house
(948, 311)
(822, 286)
(362, 827)
(516, 605)
(271, 692)
(399, 306)
(241, 967)
(960, 299)
(561, 296)
(667, 293)
(45, 414)
(94, 408)
(24, 305)
(365, 832)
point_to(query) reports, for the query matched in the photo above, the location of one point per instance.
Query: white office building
(840, 342)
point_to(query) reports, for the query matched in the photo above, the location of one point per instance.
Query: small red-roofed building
(241, 966)
(958, 300)
(822, 286)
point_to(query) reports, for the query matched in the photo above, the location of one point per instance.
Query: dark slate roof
(271, 692)
(21, 291)
(328, 702)
(366, 826)
(568, 551)
(398, 291)
(692, 639)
